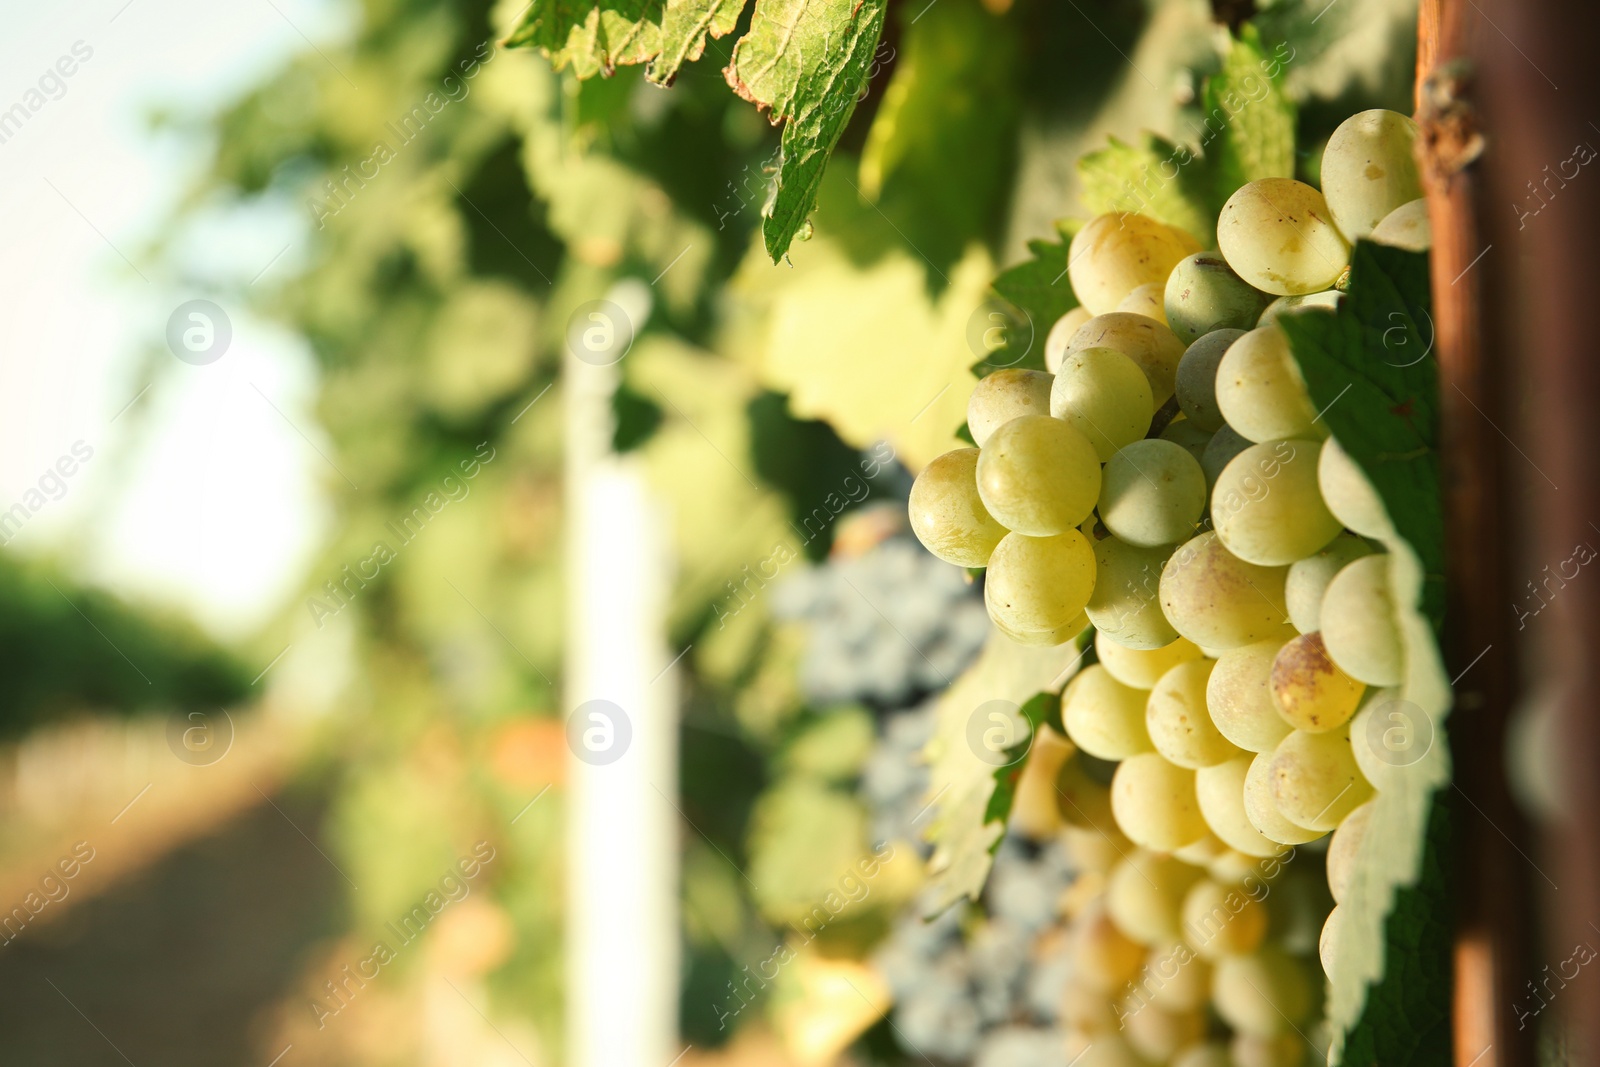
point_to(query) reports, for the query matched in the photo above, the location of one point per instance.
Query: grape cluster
(1169, 482)
(887, 625)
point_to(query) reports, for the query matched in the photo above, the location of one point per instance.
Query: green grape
(1344, 848)
(1105, 396)
(1368, 169)
(1038, 476)
(1266, 506)
(1158, 1034)
(1358, 622)
(1254, 1050)
(1176, 978)
(1060, 335)
(1103, 957)
(1035, 814)
(1220, 791)
(1103, 717)
(1315, 780)
(1154, 804)
(1308, 578)
(1262, 809)
(1216, 599)
(1348, 494)
(1328, 943)
(1220, 450)
(1203, 295)
(1176, 717)
(1266, 993)
(1180, 431)
(1082, 801)
(1311, 693)
(1197, 378)
(1142, 668)
(1146, 300)
(1153, 492)
(1039, 583)
(1147, 342)
(1278, 235)
(1116, 253)
(1328, 299)
(1222, 921)
(1239, 697)
(1003, 396)
(1125, 606)
(1210, 1054)
(1260, 391)
(1407, 226)
(947, 514)
(1145, 894)
(1386, 750)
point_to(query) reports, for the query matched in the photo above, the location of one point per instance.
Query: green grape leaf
(806, 62)
(1041, 709)
(1248, 127)
(961, 783)
(684, 30)
(591, 36)
(1153, 177)
(1370, 371)
(1038, 293)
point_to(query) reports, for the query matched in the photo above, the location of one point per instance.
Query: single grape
(1344, 848)
(1260, 391)
(1266, 993)
(947, 514)
(1142, 668)
(1104, 717)
(1220, 450)
(1197, 378)
(1387, 748)
(1039, 583)
(1158, 1034)
(1060, 336)
(1105, 396)
(1106, 959)
(1034, 814)
(1328, 943)
(1311, 693)
(1327, 300)
(1204, 852)
(1146, 300)
(1038, 476)
(1407, 226)
(1203, 294)
(1220, 791)
(1084, 802)
(1116, 253)
(1279, 236)
(1154, 804)
(1152, 493)
(1175, 978)
(1239, 696)
(1221, 920)
(1177, 721)
(1144, 896)
(1040, 638)
(1262, 809)
(1358, 622)
(1094, 850)
(1266, 507)
(1315, 780)
(1180, 431)
(1216, 599)
(1086, 1008)
(1147, 342)
(1005, 395)
(1368, 169)
(1348, 494)
(1308, 578)
(1125, 606)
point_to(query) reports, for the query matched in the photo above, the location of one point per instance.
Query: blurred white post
(622, 844)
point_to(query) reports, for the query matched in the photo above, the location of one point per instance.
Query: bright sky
(206, 489)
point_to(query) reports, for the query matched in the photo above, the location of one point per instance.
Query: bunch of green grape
(1169, 482)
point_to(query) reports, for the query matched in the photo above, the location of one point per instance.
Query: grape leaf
(1036, 293)
(1153, 177)
(591, 36)
(684, 29)
(1249, 118)
(806, 63)
(1370, 370)
(961, 784)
